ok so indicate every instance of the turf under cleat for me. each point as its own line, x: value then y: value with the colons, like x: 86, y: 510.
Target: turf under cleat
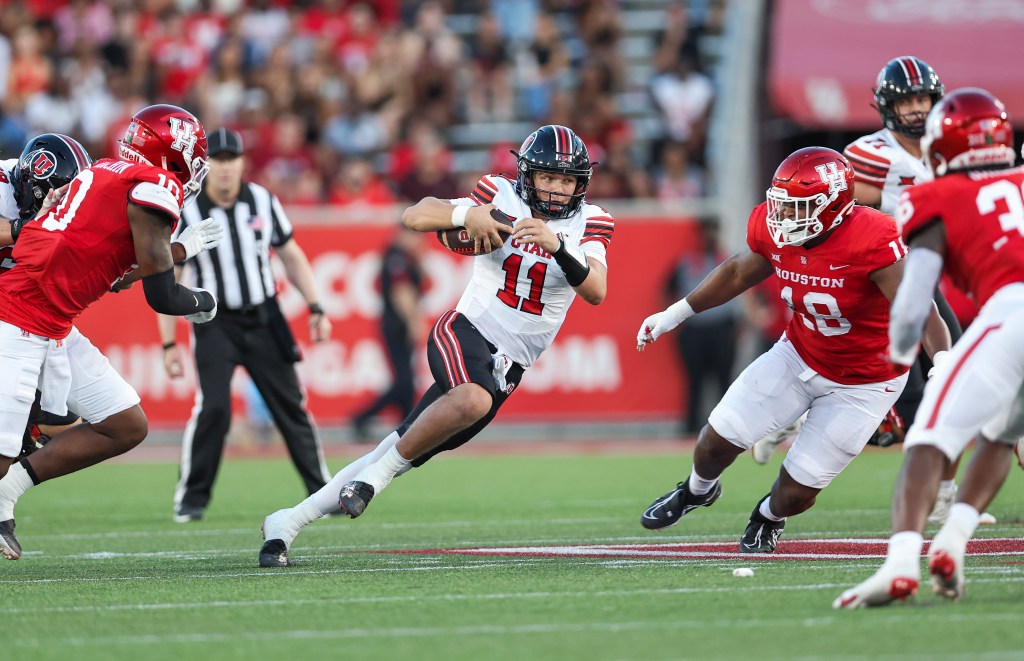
x: 881, y: 589
x: 762, y: 534
x: 354, y: 498
x: 667, y: 510
x: 9, y: 545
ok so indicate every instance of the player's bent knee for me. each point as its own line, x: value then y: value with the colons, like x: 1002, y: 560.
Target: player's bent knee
x: 470, y: 401
x: 127, y: 428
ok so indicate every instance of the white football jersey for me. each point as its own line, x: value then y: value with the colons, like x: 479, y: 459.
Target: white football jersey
x: 8, y: 205
x: 878, y: 159
x: 518, y: 296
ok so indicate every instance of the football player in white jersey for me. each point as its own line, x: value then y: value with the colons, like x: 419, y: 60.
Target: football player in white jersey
x: 887, y: 162
x: 890, y: 159
x: 521, y: 288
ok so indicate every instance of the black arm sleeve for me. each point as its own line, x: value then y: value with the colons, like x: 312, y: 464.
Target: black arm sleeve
x: 575, y: 271
x: 166, y: 296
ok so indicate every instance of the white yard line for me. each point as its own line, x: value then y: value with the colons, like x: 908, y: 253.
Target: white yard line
x: 488, y: 630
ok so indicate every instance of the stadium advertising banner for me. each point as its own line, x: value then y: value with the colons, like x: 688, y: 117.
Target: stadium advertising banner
x: 591, y: 373
x: 825, y: 54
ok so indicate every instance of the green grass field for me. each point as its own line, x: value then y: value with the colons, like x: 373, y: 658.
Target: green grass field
x: 107, y: 575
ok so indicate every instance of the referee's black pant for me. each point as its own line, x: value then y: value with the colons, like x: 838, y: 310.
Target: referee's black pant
x: 253, y: 341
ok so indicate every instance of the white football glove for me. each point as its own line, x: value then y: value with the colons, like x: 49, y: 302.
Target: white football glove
x: 658, y: 324
x: 202, y: 317
x: 201, y: 236
x: 937, y: 360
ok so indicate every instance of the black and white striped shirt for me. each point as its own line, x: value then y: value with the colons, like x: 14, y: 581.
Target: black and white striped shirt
x: 238, y: 271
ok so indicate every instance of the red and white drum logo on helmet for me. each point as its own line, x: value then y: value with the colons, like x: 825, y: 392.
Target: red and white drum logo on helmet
x: 44, y: 164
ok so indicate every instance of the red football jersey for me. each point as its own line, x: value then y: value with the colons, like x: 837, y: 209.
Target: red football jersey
x: 983, y: 215
x: 840, y: 325
x: 70, y: 257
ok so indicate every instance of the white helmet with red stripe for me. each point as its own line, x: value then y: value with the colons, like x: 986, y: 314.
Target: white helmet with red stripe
x: 49, y: 161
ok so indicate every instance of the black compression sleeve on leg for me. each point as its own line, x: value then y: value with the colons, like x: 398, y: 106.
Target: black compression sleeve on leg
x: 575, y: 266
x: 166, y: 296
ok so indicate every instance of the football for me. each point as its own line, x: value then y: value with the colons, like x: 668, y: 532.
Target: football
x: 458, y: 240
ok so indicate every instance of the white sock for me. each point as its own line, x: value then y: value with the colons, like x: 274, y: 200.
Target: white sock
x: 963, y: 520
x: 15, y: 483
x: 698, y: 485
x: 766, y: 510
x: 307, y: 512
x: 904, y: 553
x: 946, y: 485
x: 380, y: 473
x: 326, y: 500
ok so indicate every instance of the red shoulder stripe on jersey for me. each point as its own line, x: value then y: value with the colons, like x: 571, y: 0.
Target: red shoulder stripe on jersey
x: 865, y: 167
x: 601, y: 219
x: 598, y: 232
x: 874, y: 181
x: 854, y: 151
x: 484, y: 192
x: 603, y: 239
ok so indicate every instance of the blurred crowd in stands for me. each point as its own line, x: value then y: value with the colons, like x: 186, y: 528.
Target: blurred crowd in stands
x: 354, y: 102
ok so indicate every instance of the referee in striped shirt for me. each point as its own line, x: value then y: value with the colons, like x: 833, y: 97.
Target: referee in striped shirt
x: 249, y: 329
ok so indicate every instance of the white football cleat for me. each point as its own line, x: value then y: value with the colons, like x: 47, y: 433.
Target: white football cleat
x: 943, y: 501
x: 884, y: 587
x: 946, y: 564
x: 763, y: 449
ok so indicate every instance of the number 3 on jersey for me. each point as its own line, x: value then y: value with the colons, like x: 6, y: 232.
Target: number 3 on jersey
x: 828, y: 324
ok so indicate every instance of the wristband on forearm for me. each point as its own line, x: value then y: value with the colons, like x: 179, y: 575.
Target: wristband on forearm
x: 16, y: 226
x: 459, y: 213
x: 573, y: 262
x: 166, y: 296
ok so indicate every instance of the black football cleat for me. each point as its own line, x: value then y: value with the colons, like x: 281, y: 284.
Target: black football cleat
x: 9, y: 545
x: 354, y: 498
x: 762, y: 535
x: 667, y: 510
x: 274, y: 553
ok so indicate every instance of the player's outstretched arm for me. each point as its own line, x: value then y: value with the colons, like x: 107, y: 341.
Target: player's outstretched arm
x: 729, y: 279
x: 151, y: 233
x: 431, y: 214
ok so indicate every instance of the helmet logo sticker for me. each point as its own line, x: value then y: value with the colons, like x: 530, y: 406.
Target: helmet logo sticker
x: 184, y: 134
x: 831, y: 175
x: 43, y: 163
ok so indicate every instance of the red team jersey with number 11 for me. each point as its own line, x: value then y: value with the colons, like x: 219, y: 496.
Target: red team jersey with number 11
x: 840, y: 325
x: 983, y: 216
x: 68, y: 259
